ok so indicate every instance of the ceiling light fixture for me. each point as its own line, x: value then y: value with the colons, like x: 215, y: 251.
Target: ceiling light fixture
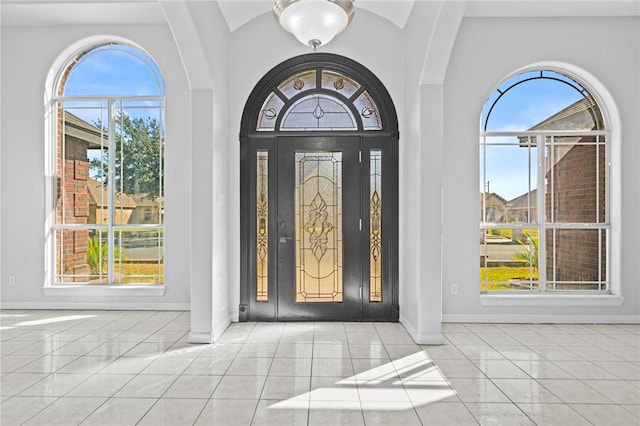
x: 314, y: 22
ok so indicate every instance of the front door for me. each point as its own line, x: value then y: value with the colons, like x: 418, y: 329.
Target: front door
x: 319, y: 269
x: 319, y: 195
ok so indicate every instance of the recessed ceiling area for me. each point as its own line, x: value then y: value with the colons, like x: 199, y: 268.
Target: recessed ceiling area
x: 239, y: 12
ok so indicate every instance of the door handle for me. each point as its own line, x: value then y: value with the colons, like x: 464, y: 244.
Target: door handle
x: 283, y: 236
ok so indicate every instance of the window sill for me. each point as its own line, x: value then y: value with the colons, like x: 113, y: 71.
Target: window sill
x: 103, y: 290
x: 550, y: 300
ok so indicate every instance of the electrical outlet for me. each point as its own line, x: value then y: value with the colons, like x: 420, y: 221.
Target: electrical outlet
x: 454, y: 288
x: 12, y: 280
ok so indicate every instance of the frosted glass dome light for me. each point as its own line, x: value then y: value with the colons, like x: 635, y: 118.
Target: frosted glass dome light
x: 314, y: 22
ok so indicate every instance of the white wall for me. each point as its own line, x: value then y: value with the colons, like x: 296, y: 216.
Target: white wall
x: 209, y: 74
x: 487, y: 51
x: 28, y: 54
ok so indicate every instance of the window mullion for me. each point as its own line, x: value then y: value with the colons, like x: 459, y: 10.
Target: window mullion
x: 111, y: 193
x: 542, y: 236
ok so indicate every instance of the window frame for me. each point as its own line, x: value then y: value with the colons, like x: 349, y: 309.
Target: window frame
x: 602, y: 297
x: 56, y: 119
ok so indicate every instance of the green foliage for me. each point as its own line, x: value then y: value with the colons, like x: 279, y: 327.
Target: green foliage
x: 139, y: 156
x: 97, y: 255
x: 499, y: 278
x: 530, y: 253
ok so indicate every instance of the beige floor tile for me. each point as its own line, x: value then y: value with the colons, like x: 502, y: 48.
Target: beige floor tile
x: 389, y: 413
x: 606, y: 415
x: 445, y: 414
x: 498, y: 414
x: 120, y: 411
x: 196, y: 387
x: 18, y: 409
x: 173, y: 412
x: 553, y: 415
x: 279, y: 413
x: 227, y: 412
x: 66, y: 411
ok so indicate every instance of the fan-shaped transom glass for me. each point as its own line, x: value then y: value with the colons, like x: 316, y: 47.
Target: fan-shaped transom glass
x: 319, y: 100
x: 540, y: 100
x: 113, y: 70
x: 318, y: 112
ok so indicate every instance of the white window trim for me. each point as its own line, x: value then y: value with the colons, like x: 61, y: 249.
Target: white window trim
x: 104, y: 290
x: 611, y: 115
x: 50, y: 287
x: 551, y: 297
x: 548, y: 299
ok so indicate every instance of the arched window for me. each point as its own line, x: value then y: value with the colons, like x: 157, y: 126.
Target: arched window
x: 319, y: 99
x: 109, y: 162
x: 544, y: 177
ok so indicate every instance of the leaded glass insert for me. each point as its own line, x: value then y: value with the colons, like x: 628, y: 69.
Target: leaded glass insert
x: 375, y: 238
x: 318, y: 112
x: 340, y: 83
x: 297, y: 83
x: 368, y: 111
x: 318, y: 213
x: 262, y: 221
x: 269, y: 112
x: 319, y: 99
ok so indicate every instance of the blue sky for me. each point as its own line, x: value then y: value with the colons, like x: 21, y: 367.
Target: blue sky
x: 108, y: 71
x: 113, y: 71
x: 520, y: 108
x: 126, y: 71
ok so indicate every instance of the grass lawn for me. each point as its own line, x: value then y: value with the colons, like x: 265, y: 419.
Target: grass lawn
x: 497, y: 278
x: 148, y: 270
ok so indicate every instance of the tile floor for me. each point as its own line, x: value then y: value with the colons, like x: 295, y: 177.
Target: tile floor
x: 136, y: 368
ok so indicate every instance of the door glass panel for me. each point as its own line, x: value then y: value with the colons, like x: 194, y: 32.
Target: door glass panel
x: 318, y: 112
x: 340, y: 83
x: 269, y: 112
x: 375, y: 238
x: 262, y: 219
x: 318, y: 216
x: 368, y: 112
x: 298, y: 83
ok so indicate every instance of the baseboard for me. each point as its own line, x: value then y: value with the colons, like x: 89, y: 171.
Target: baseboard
x: 200, y: 337
x: 217, y: 332
x: 542, y: 319
x: 103, y: 306
x: 421, y: 339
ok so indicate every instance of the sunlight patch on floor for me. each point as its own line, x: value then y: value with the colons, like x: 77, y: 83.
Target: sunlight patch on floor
x: 407, y: 382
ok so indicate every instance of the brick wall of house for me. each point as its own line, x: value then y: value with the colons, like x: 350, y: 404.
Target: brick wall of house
x: 72, y: 206
x: 574, y: 198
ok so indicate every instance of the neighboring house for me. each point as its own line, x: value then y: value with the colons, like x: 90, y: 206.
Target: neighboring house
x: 79, y: 136
x: 496, y: 207
x: 571, y: 181
x: 147, y: 210
x: 524, y: 208
x: 125, y: 205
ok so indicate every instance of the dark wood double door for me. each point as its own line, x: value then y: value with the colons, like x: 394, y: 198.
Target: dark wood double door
x: 322, y: 223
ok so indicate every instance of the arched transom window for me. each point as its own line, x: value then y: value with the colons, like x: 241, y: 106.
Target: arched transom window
x: 544, y: 187
x: 319, y: 99
x: 109, y: 168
